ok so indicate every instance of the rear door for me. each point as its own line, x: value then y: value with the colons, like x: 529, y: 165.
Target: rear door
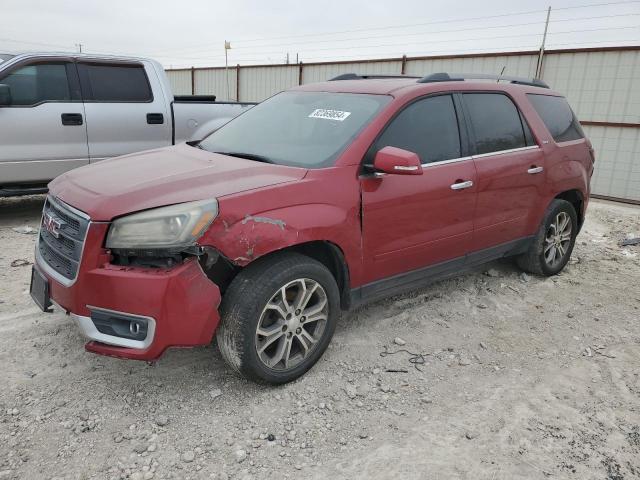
x: 414, y: 221
x: 42, y: 131
x: 123, y: 114
x: 510, y: 167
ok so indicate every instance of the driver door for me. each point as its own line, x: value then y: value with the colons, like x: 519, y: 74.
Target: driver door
x: 415, y: 221
x: 42, y: 130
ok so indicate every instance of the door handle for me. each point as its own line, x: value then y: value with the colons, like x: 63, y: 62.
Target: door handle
x: 534, y: 170
x: 71, y: 119
x: 462, y: 185
x: 155, y: 118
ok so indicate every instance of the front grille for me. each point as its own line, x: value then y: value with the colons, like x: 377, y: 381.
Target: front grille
x: 61, y: 238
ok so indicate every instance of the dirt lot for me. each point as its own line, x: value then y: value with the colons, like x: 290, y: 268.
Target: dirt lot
x: 524, y: 377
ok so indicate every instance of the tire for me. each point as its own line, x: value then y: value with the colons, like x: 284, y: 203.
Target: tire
x: 257, y: 296
x: 548, y: 253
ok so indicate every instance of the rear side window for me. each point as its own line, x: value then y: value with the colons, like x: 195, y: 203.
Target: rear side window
x: 428, y: 127
x: 496, y: 122
x: 115, y: 83
x: 557, y: 116
x: 34, y: 84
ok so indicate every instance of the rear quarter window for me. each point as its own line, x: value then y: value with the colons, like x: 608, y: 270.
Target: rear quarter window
x: 557, y: 116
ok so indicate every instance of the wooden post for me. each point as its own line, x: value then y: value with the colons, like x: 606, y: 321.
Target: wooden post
x: 403, y: 69
x: 300, y: 73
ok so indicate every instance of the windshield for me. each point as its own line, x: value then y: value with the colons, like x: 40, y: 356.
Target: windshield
x: 302, y: 129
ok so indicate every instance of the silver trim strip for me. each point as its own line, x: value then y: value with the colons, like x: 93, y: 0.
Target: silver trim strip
x: 90, y: 331
x: 503, y: 152
x: 444, y: 162
x: 482, y: 155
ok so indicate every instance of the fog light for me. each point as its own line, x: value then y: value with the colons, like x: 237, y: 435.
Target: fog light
x: 120, y: 324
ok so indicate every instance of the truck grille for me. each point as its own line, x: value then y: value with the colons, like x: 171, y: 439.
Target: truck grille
x: 61, y: 238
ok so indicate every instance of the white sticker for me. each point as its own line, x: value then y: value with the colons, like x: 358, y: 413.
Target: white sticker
x: 329, y: 114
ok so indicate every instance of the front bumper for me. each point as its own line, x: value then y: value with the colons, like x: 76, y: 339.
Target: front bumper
x: 179, y: 305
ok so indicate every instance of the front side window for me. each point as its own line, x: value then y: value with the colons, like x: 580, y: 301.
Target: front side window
x: 496, y: 122
x: 34, y: 84
x: 115, y: 83
x: 428, y: 127
x: 302, y: 129
x: 557, y: 117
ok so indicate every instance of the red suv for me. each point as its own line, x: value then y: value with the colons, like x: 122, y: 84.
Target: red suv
x: 316, y: 200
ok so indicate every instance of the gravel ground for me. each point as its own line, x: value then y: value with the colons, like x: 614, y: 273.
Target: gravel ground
x: 518, y: 377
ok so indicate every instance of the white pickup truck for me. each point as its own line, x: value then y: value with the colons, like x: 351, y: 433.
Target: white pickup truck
x: 62, y: 111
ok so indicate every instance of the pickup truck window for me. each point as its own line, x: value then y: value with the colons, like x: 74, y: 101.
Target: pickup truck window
x: 301, y: 129
x: 34, y: 84
x: 428, y: 127
x: 114, y: 83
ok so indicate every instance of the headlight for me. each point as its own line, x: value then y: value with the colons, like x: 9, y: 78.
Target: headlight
x: 166, y: 227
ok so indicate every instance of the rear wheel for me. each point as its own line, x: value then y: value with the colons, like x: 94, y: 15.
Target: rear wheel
x: 552, y: 246
x: 278, y: 317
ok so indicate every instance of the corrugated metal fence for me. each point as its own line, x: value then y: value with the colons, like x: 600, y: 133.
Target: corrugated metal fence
x: 602, y: 85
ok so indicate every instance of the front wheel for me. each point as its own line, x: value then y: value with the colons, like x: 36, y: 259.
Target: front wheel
x: 278, y: 317
x: 552, y: 246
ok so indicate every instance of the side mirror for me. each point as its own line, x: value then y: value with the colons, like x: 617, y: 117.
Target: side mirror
x: 5, y: 95
x: 397, y: 161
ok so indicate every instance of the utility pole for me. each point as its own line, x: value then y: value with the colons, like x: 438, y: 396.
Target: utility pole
x: 544, y: 40
x: 297, y: 59
x: 287, y: 58
x: 79, y: 45
x: 227, y: 47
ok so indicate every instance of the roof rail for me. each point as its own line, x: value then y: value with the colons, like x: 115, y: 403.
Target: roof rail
x: 355, y: 76
x: 460, y: 77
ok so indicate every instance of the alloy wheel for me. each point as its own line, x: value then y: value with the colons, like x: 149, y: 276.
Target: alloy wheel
x: 291, y: 324
x: 557, y: 239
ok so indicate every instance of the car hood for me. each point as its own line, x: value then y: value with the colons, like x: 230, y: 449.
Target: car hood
x: 166, y: 176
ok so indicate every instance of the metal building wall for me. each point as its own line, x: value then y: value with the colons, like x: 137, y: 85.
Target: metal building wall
x: 258, y: 83
x: 602, y: 85
x: 515, y: 65
x: 617, y: 172
x: 319, y: 72
x: 603, y: 88
x: 215, y: 81
x: 180, y: 81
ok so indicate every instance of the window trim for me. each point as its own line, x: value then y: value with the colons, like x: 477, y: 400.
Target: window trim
x: 472, y: 133
x: 86, y: 86
x: 73, y: 80
x: 462, y: 132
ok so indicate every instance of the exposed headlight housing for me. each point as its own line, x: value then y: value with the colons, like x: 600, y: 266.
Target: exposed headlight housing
x: 166, y: 228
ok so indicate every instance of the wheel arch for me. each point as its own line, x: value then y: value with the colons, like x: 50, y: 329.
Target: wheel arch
x: 575, y: 198
x: 223, y: 271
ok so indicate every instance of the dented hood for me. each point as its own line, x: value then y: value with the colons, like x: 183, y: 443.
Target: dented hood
x: 165, y: 176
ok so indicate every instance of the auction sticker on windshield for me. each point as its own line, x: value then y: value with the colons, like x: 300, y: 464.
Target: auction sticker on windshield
x: 337, y: 115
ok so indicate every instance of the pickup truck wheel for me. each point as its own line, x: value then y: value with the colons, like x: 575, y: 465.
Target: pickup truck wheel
x: 552, y: 246
x: 278, y: 317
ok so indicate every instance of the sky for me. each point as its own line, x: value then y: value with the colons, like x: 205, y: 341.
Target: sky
x: 192, y: 33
